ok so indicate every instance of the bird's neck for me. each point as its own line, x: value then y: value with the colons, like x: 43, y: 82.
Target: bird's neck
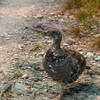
x: 57, y: 43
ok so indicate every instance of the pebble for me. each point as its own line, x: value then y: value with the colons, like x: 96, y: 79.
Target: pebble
x: 25, y: 75
x: 98, y: 58
x: 62, y: 20
x: 6, y: 88
x: 94, y: 64
x: 79, y: 49
x: 81, y: 52
x: 70, y: 41
x: 36, y: 79
x: 49, y: 41
x: 72, y: 17
x: 41, y: 53
x: 21, y: 47
x: 44, y: 98
x: 38, y: 16
x: 89, y: 54
x: 97, y: 35
x: 20, y: 89
x: 98, y: 65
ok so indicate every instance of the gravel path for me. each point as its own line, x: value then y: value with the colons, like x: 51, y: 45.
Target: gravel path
x: 14, y: 17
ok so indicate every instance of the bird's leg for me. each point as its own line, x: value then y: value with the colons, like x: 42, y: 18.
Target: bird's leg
x: 71, y: 85
x: 63, y: 89
x: 61, y: 86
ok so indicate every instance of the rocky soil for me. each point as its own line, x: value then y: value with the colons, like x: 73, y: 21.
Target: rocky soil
x: 22, y: 49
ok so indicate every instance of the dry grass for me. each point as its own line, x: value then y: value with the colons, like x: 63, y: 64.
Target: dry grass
x: 73, y: 4
x: 78, y: 31
x: 85, y: 11
x: 96, y: 42
x: 88, y: 13
x: 96, y: 39
x: 75, y: 30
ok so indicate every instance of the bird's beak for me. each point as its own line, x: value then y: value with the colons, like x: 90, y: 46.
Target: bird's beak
x: 42, y: 32
x: 46, y: 33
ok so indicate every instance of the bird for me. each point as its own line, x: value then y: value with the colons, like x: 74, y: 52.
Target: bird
x: 62, y: 65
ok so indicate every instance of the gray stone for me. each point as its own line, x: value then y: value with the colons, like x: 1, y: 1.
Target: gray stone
x: 41, y: 53
x: 79, y: 49
x: 20, y: 89
x: 6, y: 88
x: 89, y: 54
x: 98, y: 58
x: 44, y: 98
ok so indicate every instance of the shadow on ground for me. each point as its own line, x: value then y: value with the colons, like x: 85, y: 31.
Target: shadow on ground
x: 84, y: 91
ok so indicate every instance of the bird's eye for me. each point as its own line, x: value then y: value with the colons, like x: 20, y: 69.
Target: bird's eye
x: 54, y: 32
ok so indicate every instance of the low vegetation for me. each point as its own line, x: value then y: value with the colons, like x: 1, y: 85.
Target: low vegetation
x: 96, y: 39
x: 86, y: 11
x: 96, y: 42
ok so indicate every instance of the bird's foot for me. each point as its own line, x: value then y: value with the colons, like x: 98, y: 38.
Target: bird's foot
x: 74, y: 84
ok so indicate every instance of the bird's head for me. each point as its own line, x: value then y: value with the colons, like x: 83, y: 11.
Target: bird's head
x: 53, y: 33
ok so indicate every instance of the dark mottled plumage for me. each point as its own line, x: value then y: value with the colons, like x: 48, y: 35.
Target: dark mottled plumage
x: 61, y: 64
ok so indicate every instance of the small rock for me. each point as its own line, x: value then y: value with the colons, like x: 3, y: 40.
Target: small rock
x: 6, y: 88
x: 98, y: 58
x: 65, y: 44
x: 97, y: 35
x: 44, y: 98
x: 34, y: 64
x: 81, y: 52
x: 89, y: 54
x: 36, y: 80
x: 70, y: 41
x: 20, y: 89
x: 21, y: 47
x: 38, y: 16
x: 25, y: 75
x: 52, y: 13
x: 72, y: 17
x: 29, y: 67
x: 41, y: 53
x: 98, y: 65
x: 37, y: 68
x: 49, y: 42
x: 62, y: 20
x: 79, y: 49
x: 94, y: 64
